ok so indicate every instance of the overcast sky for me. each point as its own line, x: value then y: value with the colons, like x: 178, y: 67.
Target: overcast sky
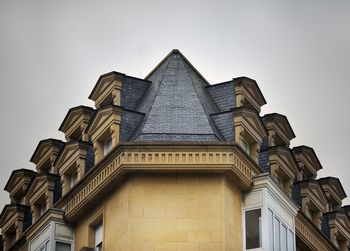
x: 52, y: 53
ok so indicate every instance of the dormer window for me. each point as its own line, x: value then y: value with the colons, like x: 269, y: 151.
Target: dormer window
x: 107, y: 90
x: 249, y: 131
x: 245, y: 145
x: 307, y: 161
x: 248, y: 94
x: 107, y: 146
x: 283, y: 167
x: 45, y: 155
x: 40, y: 208
x: 73, y: 162
x: 104, y: 130
x: 75, y: 123
x: 42, y: 194
x: 73, y: 179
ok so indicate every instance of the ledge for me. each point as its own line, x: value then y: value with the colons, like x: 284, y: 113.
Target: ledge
x: 129, y: 158
x: 310, y: 235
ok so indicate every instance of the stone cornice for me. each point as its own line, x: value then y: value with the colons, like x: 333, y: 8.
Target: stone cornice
x: 310, y: 235
x: 161, y: 158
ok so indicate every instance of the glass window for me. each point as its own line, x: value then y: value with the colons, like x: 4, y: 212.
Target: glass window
x: 245, y: 145
x: 107, y: 146
x: 270, y: 222
x: 290, y: 241
x: 44, y: 247
x: 253, y: 228
x: 276, y: 227
x: 98, y: 237
x: 73, y: 178
x: 61, y: 246
x: 41, y: 209
x: 283, y: 238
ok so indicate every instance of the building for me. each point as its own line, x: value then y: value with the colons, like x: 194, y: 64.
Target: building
x: 171, y: 162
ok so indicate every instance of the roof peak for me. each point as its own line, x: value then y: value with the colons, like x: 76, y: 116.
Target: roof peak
x: 172, y: 53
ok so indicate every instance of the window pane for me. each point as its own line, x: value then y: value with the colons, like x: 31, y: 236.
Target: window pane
x: 60, y: 246
x: 270, y: 222
x: 98, y: 235
x: 253, y: 228
x: 283, y: 238
x: 276, y: 228
x: 290, y: 241
x: 107, y: 146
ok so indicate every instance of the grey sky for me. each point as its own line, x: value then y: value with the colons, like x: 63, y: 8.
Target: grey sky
x: 52, y: 53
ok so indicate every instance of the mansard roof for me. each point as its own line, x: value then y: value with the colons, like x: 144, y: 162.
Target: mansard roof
x: 177, y: 105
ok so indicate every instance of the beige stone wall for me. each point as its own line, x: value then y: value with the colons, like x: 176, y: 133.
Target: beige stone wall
x: 169, y: 212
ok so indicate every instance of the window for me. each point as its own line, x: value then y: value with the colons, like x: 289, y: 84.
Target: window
x: 283, y: 238
x: 41, y: 209
x: 290, y: 241
x: 73, y: 178
x: 245, y: 145
x: 44, y: 247
x: 253, y: 228
x: 276, y: 228
x: 61, y: 246
x: 107, y: 146
x: 98, y: 237
x: 270, y: 222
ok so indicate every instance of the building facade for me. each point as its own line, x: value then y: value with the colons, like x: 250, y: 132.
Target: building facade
x: 171, y: 162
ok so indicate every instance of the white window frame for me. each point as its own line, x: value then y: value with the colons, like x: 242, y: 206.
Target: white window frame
x: 107, y: 146
x: 73, y: 178
x: 99, y: 237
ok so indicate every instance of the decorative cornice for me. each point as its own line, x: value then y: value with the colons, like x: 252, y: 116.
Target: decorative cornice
x: 162, y: 158
x: 310, y: 235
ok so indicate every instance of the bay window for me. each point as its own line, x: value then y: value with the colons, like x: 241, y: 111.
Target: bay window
x: 253, y: 228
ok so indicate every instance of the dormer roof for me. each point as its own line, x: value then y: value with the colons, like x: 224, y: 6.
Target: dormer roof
x: 253, y: 119
x: 76, y: 121
x: 284, y: 157
x: 107, y: 114
x: 10, y: 213
x: 105, y: 85
x: 19, y: 182
x: 307, y: 159
x: 252, y: 87
x: 280, y: 124
x: 45, y: 153
x: 313, y: 190
x: 42, y: 183
x: 333, y: 188
x: 71, y: 151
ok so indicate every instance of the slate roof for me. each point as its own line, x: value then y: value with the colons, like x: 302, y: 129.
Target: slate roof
x: 177, y: 106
